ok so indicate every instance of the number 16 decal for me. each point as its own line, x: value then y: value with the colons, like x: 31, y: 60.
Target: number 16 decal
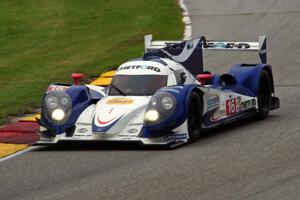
x: 233, y: 105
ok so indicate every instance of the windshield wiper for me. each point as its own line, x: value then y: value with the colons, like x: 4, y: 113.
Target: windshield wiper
x: 120, y: 91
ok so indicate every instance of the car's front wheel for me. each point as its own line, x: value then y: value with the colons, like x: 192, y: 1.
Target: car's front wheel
x: 194, y: 116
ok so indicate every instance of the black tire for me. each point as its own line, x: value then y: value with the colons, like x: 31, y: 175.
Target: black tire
x: 264, y: 95
x: 194, y: 116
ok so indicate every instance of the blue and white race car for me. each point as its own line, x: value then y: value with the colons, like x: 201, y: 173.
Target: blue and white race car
x: 163, y: 98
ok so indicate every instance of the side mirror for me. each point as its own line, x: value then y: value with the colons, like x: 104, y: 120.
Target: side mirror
x: 77, y: 77
x: 204, y: 77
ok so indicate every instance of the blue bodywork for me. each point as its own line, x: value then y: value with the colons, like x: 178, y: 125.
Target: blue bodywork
x: 247, y: 78
x: 248, y: 75
x: 81, y: 98
x: 246, y: 83
x: 182, y: 95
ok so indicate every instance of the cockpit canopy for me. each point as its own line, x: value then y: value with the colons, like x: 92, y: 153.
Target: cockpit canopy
x: 137, y: 85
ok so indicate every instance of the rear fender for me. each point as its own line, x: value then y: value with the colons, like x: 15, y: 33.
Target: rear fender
x: 247, y: 75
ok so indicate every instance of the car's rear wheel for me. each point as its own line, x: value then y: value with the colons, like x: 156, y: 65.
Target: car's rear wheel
x: 264, y: 95
x: 194, y: 116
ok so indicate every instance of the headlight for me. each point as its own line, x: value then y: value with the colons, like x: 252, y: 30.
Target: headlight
x: 65, y: 101
x: 57, y: 107
x: 160, y: 107
x: 167, y: 102
x: 58, y: 115
x: 52, y: 102
x: 153, y: 101
x: 152, y: 115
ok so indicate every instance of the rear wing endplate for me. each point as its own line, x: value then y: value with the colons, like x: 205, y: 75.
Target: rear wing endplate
x: 260, y: 46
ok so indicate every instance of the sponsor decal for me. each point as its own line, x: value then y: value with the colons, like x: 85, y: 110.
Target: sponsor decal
x: 190, y: 45
x: 135, y: 124
x: 212, y: 101
x: 228, y: 45
x: 81, y: 136
x: 133, y: 130
x: 156, y: 69
x: 177, y: 137
x: 119, y: 101
x: 217, y: 115
x: 126, y: 136
x: 219, y: 45
x: 105, y: 122
x: 57, y: 88
x: 101, y: 125
x: 82, y: 130
x: 248, y: 104
x: 233, y: 105
x: 110, y: 110
x: 82, y: 123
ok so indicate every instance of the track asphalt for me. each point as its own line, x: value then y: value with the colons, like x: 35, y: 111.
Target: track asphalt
x: 246, y: 160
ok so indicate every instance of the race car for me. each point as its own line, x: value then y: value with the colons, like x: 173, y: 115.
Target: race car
x: 164, y: 98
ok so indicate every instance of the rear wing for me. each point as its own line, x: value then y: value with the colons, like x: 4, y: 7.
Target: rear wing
x: 177, y: 50
x: 260, y: 46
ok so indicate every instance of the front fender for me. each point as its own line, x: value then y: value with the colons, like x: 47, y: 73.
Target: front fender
x: 81, y: 99
x: 165, y: 127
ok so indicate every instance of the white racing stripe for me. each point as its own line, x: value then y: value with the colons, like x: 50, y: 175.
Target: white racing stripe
x: 186, y: 20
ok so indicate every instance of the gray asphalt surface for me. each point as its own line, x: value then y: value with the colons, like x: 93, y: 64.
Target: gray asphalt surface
x: 245, y: 160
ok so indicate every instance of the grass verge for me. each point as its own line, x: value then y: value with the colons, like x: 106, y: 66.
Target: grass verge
x: 44, y: 41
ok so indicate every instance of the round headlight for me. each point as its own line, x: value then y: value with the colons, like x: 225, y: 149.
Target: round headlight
x: 58, y: 115
x: 152, y: 115
x: 167, y: 102
x: 153, y: 101
x: 64, y: 101
x: 52, y: 102
x: 57, y: 107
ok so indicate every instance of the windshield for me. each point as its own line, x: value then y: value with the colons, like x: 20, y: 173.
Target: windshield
x: 137, y: 85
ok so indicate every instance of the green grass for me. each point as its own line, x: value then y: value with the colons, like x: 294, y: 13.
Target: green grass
x: 44, y: 41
